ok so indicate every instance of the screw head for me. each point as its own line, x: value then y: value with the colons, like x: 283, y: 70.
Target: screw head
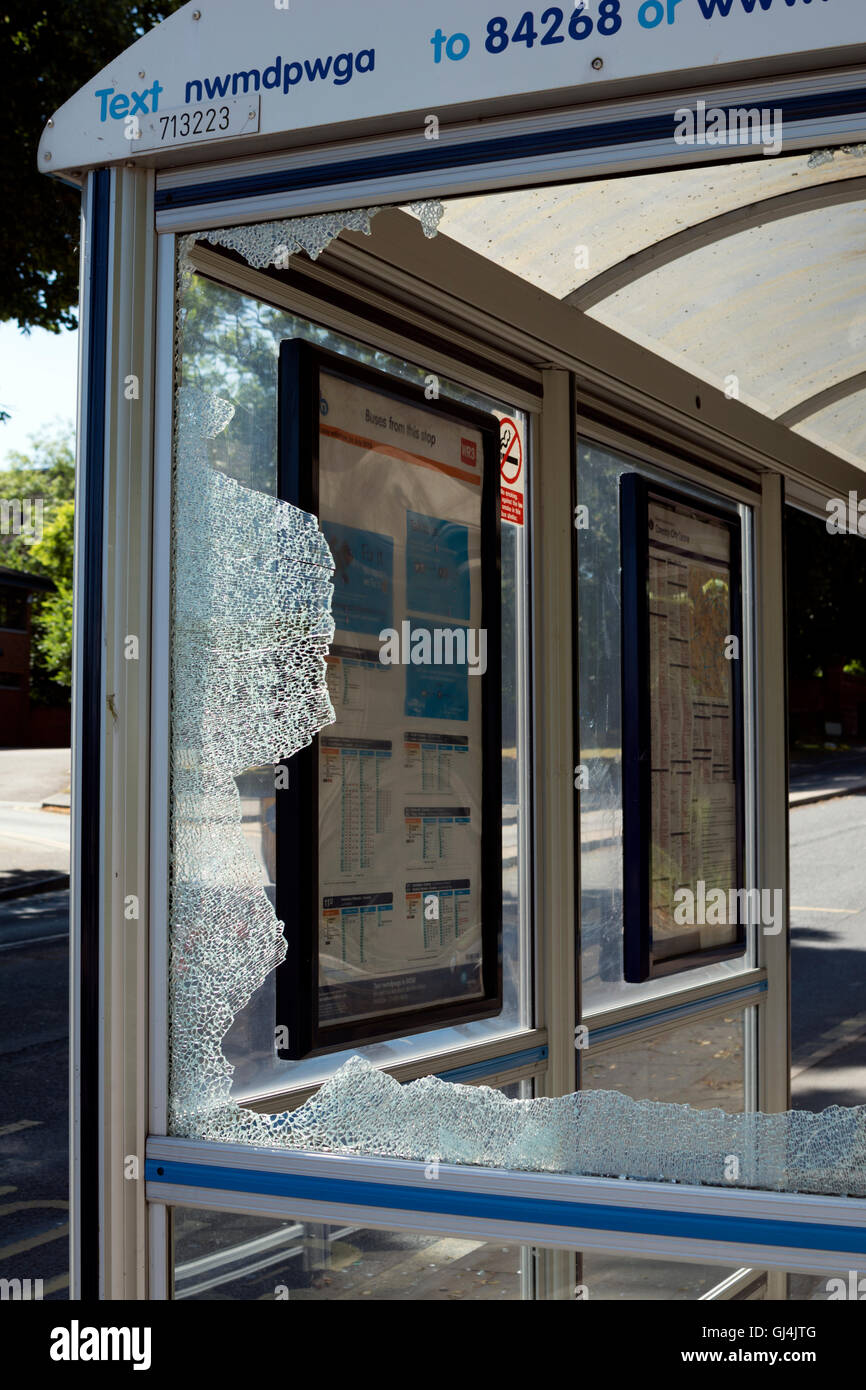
x: 47, y: 156
x: 142, y: 74
x: 598, y: 64
x: 196, y: 14
x: 50, y: 122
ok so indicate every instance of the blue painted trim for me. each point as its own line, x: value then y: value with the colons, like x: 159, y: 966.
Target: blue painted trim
x: 599, y: 135
x: 494, y: 1065
x: 538, y: 1211
x: 88, y: 684
x: 697, y: 1006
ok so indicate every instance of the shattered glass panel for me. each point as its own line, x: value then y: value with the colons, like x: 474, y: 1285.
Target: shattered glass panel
x: 251, y: 613
x: 363, y: 1111
x: 251, y: 592
x: 230, y: 350
x: 264, y: 244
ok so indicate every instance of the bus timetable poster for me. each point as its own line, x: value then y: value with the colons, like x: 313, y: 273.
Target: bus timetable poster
x: 682, y: 731
x: 402, y: 888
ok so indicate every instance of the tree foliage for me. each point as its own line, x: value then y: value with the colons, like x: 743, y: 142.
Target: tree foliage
x: 48, y: 51
x: 45, y: 475
x: 53, y: 622
x: 826, y: 582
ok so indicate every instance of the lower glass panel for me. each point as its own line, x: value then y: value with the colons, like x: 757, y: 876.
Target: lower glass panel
x: 228, y: 1256
x: 701, y: 1064
x: 220, y: 1255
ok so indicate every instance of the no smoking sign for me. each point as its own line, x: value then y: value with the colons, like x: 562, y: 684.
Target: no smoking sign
x: 511, y: 457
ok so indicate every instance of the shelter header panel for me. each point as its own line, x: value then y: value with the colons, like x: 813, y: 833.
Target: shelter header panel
x: 223, y: 72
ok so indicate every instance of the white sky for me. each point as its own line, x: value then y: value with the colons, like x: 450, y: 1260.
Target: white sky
x: 38, y: 373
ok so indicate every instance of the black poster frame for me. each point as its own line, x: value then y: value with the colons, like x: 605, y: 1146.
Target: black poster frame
x: 636, y: 491
x: 301, y: 364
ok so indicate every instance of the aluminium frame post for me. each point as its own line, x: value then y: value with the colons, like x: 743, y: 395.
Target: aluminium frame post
x: 109, y: 927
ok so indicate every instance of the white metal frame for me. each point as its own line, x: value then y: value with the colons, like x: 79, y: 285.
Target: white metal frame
x: 588, y: 1210
x: 534, y: 169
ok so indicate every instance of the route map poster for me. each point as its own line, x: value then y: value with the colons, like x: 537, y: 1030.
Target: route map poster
x: 683, y: 699
x: 399, y: 899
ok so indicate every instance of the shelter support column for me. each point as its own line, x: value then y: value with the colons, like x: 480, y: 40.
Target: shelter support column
x: 554, y: 759
x: 774, y: 1088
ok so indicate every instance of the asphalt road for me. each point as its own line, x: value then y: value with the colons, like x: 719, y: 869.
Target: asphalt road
x: 34, y: 989
x: 826, y: 773
x: 34, y: 1024
x: 828, y: 953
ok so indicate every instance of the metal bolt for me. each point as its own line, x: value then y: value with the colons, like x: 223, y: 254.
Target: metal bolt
x: 142, y: 74
x: 47, y: 156
x: 598, y: 64
x: 50, y: 122
x: 196, y: 14
x: 252, y: 115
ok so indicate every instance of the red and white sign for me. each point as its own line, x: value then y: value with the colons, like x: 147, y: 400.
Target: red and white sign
x: 469, y: 453
x: 512, y: 454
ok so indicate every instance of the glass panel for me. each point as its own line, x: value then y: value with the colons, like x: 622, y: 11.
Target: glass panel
x: 699, y: 1064
x: 223, y: 1256
x: 228, y: 1256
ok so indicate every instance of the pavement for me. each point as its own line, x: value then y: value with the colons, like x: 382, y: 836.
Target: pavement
x: 34, y: 1101
x: 34, y: 1019
x: 820, y: 776
x: 828, y: 953
x: 30, y: 775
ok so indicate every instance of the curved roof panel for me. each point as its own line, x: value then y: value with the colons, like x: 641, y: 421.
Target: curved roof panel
x: 754, y: 270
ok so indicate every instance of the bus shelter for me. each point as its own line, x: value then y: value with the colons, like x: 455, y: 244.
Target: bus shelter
x: 442, y: 390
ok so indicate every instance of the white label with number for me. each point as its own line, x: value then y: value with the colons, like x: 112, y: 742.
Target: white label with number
x: 210, y: 120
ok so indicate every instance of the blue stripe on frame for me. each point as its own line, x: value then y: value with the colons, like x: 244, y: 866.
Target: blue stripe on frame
x: 493, y: 1065
x: 539, y: 1211
x: 88, y: 680
x: 598, y: 135
x: 695, y: 1006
